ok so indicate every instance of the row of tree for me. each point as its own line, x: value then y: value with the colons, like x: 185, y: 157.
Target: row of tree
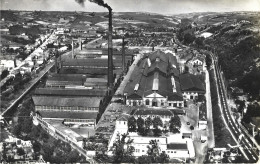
x: 152, y: 127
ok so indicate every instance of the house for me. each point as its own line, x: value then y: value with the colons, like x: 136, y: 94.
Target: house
x: 155, y: 82
x: 191, y: 86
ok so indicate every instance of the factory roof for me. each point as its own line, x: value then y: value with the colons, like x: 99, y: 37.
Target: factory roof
x: 177, y: 146
x: 66, y: 101
x: 144, y: 76
x: 68, y: 114
x: 190, y: 82
x: 70, y: 92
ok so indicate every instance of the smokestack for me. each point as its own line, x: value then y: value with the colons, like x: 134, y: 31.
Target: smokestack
x: 83, y: 79
x: 110, y: 52
x: 80, y: 44
x: 15, y: 65
x: 110, y: 46
x: 123, y: 53
x: 56, y: 64
x: 72, y: 48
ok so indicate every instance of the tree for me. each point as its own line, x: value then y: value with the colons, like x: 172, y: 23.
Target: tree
x: 153, y: 150
x: 188, y: 38
x: 36, y: 146
x: 122, y: 149
x: 148, y: 122
x: 140, y: 125
x: 157, y: 122
x: 175, y: 124
x: 144, y: 159
x: 20, y: 151
x: 132, y: 124
x: 162, y: 158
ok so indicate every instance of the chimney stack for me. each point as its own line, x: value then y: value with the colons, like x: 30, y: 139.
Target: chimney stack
x: 110, y: 52
x: 80, y: 44
x: 123, y: 53
x: 15, y: 65
x: 56, y: 64
x: 72, y: 48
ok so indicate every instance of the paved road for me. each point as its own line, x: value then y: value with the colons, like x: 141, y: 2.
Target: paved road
x: 246, y: 144
x: 211, y: 138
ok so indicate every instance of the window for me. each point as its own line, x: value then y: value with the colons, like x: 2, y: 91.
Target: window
x: 180, y: 104
x: 171, y: 151
x: 147, y: 102
x: 170, y: 104
x: 175, y: 104
x: 142, y: 150
x: 191, y: 97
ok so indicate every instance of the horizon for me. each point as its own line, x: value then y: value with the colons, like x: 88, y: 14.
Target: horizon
x: 22, y: 10
x: 151, y: 6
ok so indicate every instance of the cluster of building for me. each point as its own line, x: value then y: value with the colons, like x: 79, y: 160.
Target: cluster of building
x: 158, y: 88
x: 76, y: 94
x: 157, y: 82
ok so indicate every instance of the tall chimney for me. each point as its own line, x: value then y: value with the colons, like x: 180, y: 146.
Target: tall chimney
x: 80, y: 44
x: 110, y: 52
x: 56, y: 62
x: 72, y: 48
x: 123, y: 53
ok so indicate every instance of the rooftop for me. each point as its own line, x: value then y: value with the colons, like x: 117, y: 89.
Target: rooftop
x: 190, y: 82
x: 66, y: 102
x: 70, y: 92
x: 163, y: 112
x: 177, y: 146
x: 68, y: 114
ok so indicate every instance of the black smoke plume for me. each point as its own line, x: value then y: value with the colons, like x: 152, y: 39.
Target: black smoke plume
x: 99, y: 2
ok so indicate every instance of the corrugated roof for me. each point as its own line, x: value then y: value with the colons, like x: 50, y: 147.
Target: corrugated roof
x: 66, y: 101
x: 70, y: 92
x: 144, y: 76
x: 68, y: 115
x: 177, y: 146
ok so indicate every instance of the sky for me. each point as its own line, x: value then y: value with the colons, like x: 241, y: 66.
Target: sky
x: 153, y: 6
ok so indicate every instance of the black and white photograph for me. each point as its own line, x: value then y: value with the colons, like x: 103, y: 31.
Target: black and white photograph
x: 129, y: 81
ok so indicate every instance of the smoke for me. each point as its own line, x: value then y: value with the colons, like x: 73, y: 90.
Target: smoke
x: 99, y: 2
x: 81, y: 2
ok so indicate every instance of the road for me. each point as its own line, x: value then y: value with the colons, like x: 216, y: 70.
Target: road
x: 3, y: 81
x: 210, y: 130
x: 246, y: 145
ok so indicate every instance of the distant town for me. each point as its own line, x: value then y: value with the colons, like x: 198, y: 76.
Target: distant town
x: 133, y: 87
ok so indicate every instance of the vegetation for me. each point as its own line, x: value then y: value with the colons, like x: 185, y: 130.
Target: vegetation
x: 175, y: 124
x: 120, y: 153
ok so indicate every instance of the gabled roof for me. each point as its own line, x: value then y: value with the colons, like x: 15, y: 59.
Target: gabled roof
x: 160, y: 112
x: 149, y: 83
x: 177, y: 146
x: 66, y: 102
x: 67, y: 114
x: 190, y: 82
x: 70, y: 92
x: 135, y: 96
